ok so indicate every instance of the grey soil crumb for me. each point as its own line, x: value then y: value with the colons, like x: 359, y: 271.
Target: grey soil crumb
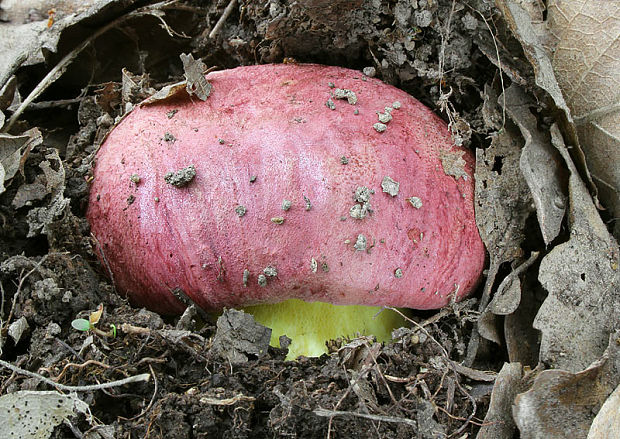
x: 182, y: 177
x: 398, y: 273
x: 308, y: 203
x: 359, y: 211
x: 313, y: 265
x: 415, y: 202
x: 360, y: 244
x: 246, y: 276
x: 396, y: 105
x: 330, y: 104
x: 270, y: 271
x: 384, y: 117
x: 286, y: 205
x: 240, y: 210
x: 389, y: 186
x: 168, y: 137
x: 262, y: 280
x: 369, y: 71
x: 380, y: 127
x: 362, y: 194
x: 344, y: 160
x: 343, y: 93
x: 171, y: 113
x: 130, y: 199
x: 325, y: 267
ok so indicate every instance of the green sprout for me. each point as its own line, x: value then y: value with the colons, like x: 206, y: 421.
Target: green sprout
x: 89, y: 325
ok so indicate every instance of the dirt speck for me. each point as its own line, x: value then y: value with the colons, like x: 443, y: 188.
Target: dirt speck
x: 390, y: 186
x: 360, y: 243
x: 182, y: 177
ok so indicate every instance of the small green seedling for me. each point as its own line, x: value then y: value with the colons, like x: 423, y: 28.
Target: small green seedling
x: 93, y: 319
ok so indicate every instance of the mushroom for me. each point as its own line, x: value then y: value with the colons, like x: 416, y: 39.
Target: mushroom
x: 350, y: 234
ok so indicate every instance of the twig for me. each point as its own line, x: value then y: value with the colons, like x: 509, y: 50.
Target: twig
x: 80, y: 366
x: 381, y: 418
x: 133, y: 379
x: 148, y: 407
x: 105, y: 260
x: 227, y: 401
x: 220, y: 23
x: 451, y: 364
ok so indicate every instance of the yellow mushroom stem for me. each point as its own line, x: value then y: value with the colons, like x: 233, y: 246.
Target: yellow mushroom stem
x: 310, y: 325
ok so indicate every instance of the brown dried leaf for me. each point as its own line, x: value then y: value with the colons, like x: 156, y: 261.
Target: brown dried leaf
x: 583, y: 281
x: 585, y: 42
x: 238, y: 335
x: 195, y: 71
x: 540, y: 164
x: 498, y: 422
x: 13, y: 150
x: 521, y: 20
x: 562, y: 404
x: 39, y: 218
x: 503, y: 203
x: 607, y: 422
x: 30, y: 414
x: 26, y: 34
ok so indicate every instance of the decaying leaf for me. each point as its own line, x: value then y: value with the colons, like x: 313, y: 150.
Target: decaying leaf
x: 503, y: 203
x: 238, y: 336
x: 498, y: 422
x: 135, y: 88
x: 540, y: 164
x: 521, y: 20
x: 585, y: 43
x: 34, y: 415
x: 606, y: 424
x: 25, y: 37
x: 562, y: 404
x: 583, y: 281
x: 40, y: 217
x: 195, y: 71
x: 13, y: 152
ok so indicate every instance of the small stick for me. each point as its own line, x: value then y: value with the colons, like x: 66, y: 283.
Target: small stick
x: 220, y: 23
x: 133, y: 379
x: 332, y: 413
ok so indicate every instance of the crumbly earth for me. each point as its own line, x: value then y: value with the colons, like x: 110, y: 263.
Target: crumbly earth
x: 50, y: 275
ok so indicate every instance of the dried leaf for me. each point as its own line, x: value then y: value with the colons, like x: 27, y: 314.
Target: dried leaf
x: 27, y: 193
x: 562, y: 404
x: 503, y: 203
x: 583, y: 281
x: 24, y: 39
x: 238, y: 336
x: 195, y: 71
x: 39, y: 218
x: 498, y: 423
x: 540, y: 163
x: 34, y: 415
x: 13, y: 150
x: 585, y: 42
x: 503, y: 199
x: 134, y: 89
x: 607, y: 423
x: 166, y: 92
x: 521, y: 20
